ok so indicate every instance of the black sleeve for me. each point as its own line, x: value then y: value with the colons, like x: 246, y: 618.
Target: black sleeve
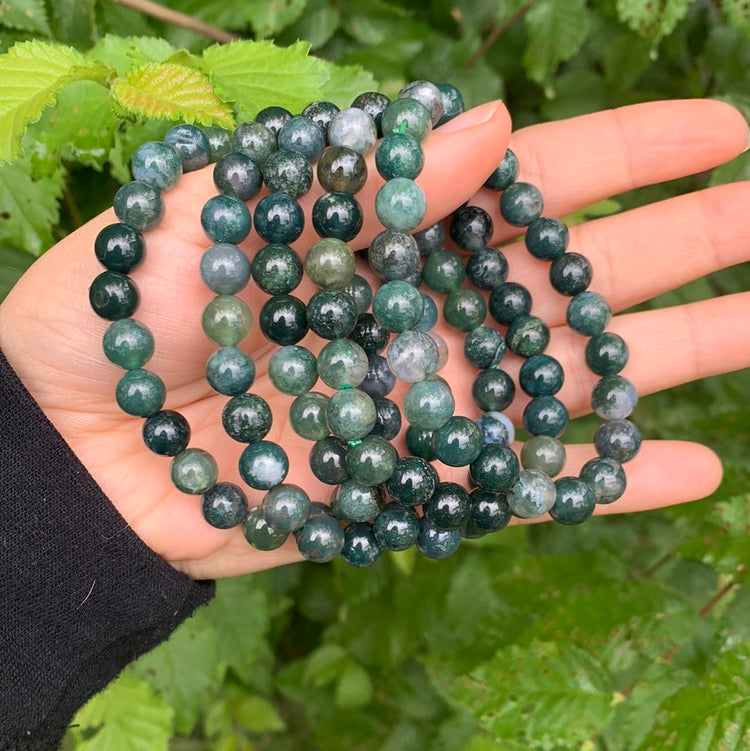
x: 81, y: 595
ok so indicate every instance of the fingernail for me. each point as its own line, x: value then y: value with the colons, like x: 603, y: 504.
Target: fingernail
x: 747, y: 144
x: 475, y: 116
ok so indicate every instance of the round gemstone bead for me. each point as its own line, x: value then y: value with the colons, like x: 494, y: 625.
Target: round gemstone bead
x: 570, y: 274
x: 341, y: 170
x: 277, y: 269
x: 541, y: 375
x: 258, y: 532
x: 330, y: 263
x: 487, y: 268
x: 302, y: 135
x: 437, y: 543
x: 287, y: 172
x: 464, y: 309
x: 331, y: 313
x: 396, y: 527
x: 470, y: 228
x: 520, y: 204
x: 407, y: 116
x: 425, y: 93
x: 606, y: 353
x: 226, y: 219
x: 617, y: 439
x: 443, y: 271
x: 606, y: 478
x: 337, y: 215
x: 191, y: 144
x: 263, y: 465
x: 413, y: 481
x: 429, y: 313
x: 307, y: 416
x: 279, y: 218
x: 458, y: 442
x: 274, y: 118
x: 237, y: 175
x: 493, y: 390
x: 342, y: 363
x: 614, y: 398
x: 360, y: 291
x: 128, y: 343
x: 157, y: 163
x: 453, y: 102
x: 286, y: 507
x: 379, y: 380
x: 488, y: 511
x: 419, y: 442
x: 283, y: 319
x: 354, y: 129
x: 194, y: 471
x: 484, y: 347
x: 533, y: 494
x: 246, y: 418
x: 374, y: 104
x: 397, y: 306
x: 140, y: 392
x: 588, y: 313
x: 361, y: 547
x: 292, y: 369
x: 448, y: 508
x: 166, y: 433
x: 509, y: 301
x: 224, y: 506
x: 412, y: 356
x: 230, y: 371
x: 496, y: 427
x: 394, y: 255
x: 575, y: 501
x: 227, y: 320
x: 543, y: 453
x: 388, y: 420
x: 321, y: 113
x: 372, y: 460
x: 219, y: 142
x: 505, y: 173
x: 399, y: 155
x: 369, y: 334
x: 320, y: 540
x: 119, y: 247
x: 328, y: 461
x: 496, y: 468
x: 225, y: 269
x: 139, y: 205
x: 255, y: 141
x: 352, y: 501
x: 527, y: 335
x: 350, y: 414
x: 431, y: 238
x: 545, y: 415
x: 428, y: 405
x: 401, y: 204
x: 547, y: 238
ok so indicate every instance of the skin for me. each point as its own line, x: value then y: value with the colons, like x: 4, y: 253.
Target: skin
x: 53, y: 339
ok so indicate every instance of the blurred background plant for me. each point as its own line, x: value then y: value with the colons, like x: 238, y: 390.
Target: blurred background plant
x: 626, y: 634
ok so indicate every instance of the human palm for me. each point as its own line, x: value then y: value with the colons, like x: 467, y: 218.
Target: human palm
x: 53, y: 339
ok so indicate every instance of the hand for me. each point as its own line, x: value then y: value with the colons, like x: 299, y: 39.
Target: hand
x: 53, y: 339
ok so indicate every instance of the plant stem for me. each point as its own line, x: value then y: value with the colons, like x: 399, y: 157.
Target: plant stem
x: 496, y: 33
x: 176, y: 18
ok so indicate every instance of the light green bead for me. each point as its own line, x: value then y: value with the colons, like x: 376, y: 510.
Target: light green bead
x: 342, y: 363
x: 400, y: 204
x: 194, y: 471
x: 330, y: 263
x: 351, y: 414
x: 227, y: 320
x: 292, y: 369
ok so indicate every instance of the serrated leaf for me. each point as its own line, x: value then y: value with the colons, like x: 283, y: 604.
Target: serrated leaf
x: 652, y: 20
x: 25, y: 15
x: 738, y: 15
x: 120, y: 52
x: 13, y: 262
x: 168, y: 91
x: 354, y: 688
x: 255, y: 75
x: 32, y: 73
x: 345, y: 82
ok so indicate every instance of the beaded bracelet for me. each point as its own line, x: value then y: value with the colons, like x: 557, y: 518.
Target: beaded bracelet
x: 352, y: 428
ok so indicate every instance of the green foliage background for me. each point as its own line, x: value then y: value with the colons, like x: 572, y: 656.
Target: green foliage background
x: 626, y: 634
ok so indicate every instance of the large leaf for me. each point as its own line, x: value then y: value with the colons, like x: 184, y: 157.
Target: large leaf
x: 652, y: 20
x: 25, y: 15
x: 13, y: 262
x: 120, y: 52
x: 75, y: 21
x: 345, y: 82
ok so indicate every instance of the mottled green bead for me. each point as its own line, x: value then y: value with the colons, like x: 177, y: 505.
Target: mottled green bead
x: 307, y: 416
x: 570, y: 274
x: 614, y: 398
x: 230, y: 371
x: 277, y: 269
x: 413, y: 481
x: 428, y: 405
x: 399, y: 155
x: 279, y: 218
x: 139, y: 205
x: 246, y: 418
x: 287, y: 172
x: 350, y: 414
x: 331, y: 313
x: 397, y: 306
x: 464, y: 309
x: 437, y: 543
x: 166, y: 433
x: 520, y: 204
x: 219, y: 142
x: 369, y: 334
x: 374, y: 104
x: 286, y: 507
x: 527, y: 335
x: 321, y: 113
x: 545, y: 415
x: 258, y: 532
x: 353, y: 128
x: 486, y: 268
x: 337, y: 214
x: 191, y: 144
x: 448, y: 508
x: 588, y: 313
x: 532, y: 495
x: 496, y: 468
x: 283, y: 319
x: 407, y: 116
x: 119, y: 247
x: 396, y: 527
x: 617, y: 439
x: 320, y: 540
x: 575, y: 501
x: 419, y: 442
x: 453, y: 102
x: 328, y: 460
x: 509, y: 301
x: 413, y: 356
x: 493, y: 390
x: 488, y: 511
x: 361, y: 547
x: 302, y: 135
x: 194, y: 471
x: 546, y: 238
x: 352, y: 501
x: 505, y: 173
x: 543, y: 453
x: 157, y: 163
x: 330, y: 263
x: 113, y: 295
x: 496, y: 427
x: 394, y: 255
x: 227, y: 320
x: 541, y: 375
x: 254, y: 140
x: 292, y: 369
x: 372, y: 460
x: 606, y: 353
x: 263, y: 465
x: 379, y: 380
x: 341, y: 170
x: 443, y: 271
x: 224, y: 506
x: 226, y: 219
x: 128, y: 343
x: 360, y: 291
x: 484, y: 347
x: 458, y: 442
x: 342, y: 363
x: 429, y: 313
x: 388, y: 422
x: 274, y: 118
x: 470, y: 228
x: 140, y: 392
x: 400, y: 204
x: 431, y: 238
x: 425, y: 93
x: 225, y: 269
x: 606, y: 478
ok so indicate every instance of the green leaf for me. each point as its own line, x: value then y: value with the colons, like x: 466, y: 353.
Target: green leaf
x: 556, y: 30
x: 258, y: 715
x: 316, y: 25
x: 120, y: 52
x: 13, y: 262
x: 127, y: 716
x: 652, y: 20
x: 38, y: 71
x: 738, y: 15
x: 75, y: 21
x: 354, y: 688
x: 269, y: 18
x: 169, y: 91
x: 255, y: 75
x: 325, y: 664
x: 25, y: 15
x: 345, y: 82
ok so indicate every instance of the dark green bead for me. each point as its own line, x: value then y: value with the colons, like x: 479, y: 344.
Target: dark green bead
x: 588, y: 313
x: 394, y: 255
x: 470, y: 228
x: 388, y: 419
x: 484, y: 347
x: 139, y: 205
x: 429, y: 313
x: 431, y: 238
x: 227, y: 320
x: 488, y: 511
x: 194, y: 471
x: 437, y: 543
x: 302, y: 135
x: 361, y: 547
x: 372, y: 460
x: 191, y: 144
x: 350, y: 414
x: 128, y: 343
x: 520, y: 204
x: 575, y: 501
x: 263, y: 465
x: 541, y: 375
x: 225, y: 269
x: 533, y: 494
x: 283, y: 319
x: 140, y: 393
x: 493, y: 390
x: 453, y: 102
x: 226, y: 219
x: 505, y: 173
x: 496, y: 468
x: 606, y: 353
x: 614, y: 398
x: 425, y: 93
x: 113, y: 295
x: 230, y: 371
x: 337, y: 214
x: 399, y: 155
x: 259, y: 534
x: 246, y: 418
x: 361, y: 292
x: 547, y: 238
x: 458, y: 442
x: 448, y: 508
x: 617, y: 439
x: 443, y: 271
x: 330, y: 263
x: 287, y: 172
x: 286, y: 507
x: 321, y: 113
x: 464, y: 309
x: 292, y: 369
x: 119, y: 247
x: 419, y: 443
x: 219, y: 142
x: 274, y: 118
x: 544, y: 453
x: 509, y: 301
x: 428, y: 405
x: 570, y: 274
x: 320, y: 540
x: 396, y: 527
x: 318, y: 508
x: 379, y: 380
x: 401, y: 204
x: 407, y: 116
x: 369, y: 334
x: 413, y: 356
x: 496, y: 427
x: 374, y: 104
x: 342, y: 363
x: 545, y: 415
x: 166, y: 433
x: 328, y: 460
x: 606, y: 478
x: 254, y: 140
x: 224, y: 506
x: 237, y: 175
x: 331, y: 314
x: 277, y: 269
x: 279, y: 218
x: 487, y: 268
x: 307, y: 416
x: 354, y: 502
x: 341, y: 170
x: 527, y: 336
x: 397, y: 306
x: 413, y: 481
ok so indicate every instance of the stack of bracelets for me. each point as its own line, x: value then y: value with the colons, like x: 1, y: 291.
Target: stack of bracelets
x: 379, y: 500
